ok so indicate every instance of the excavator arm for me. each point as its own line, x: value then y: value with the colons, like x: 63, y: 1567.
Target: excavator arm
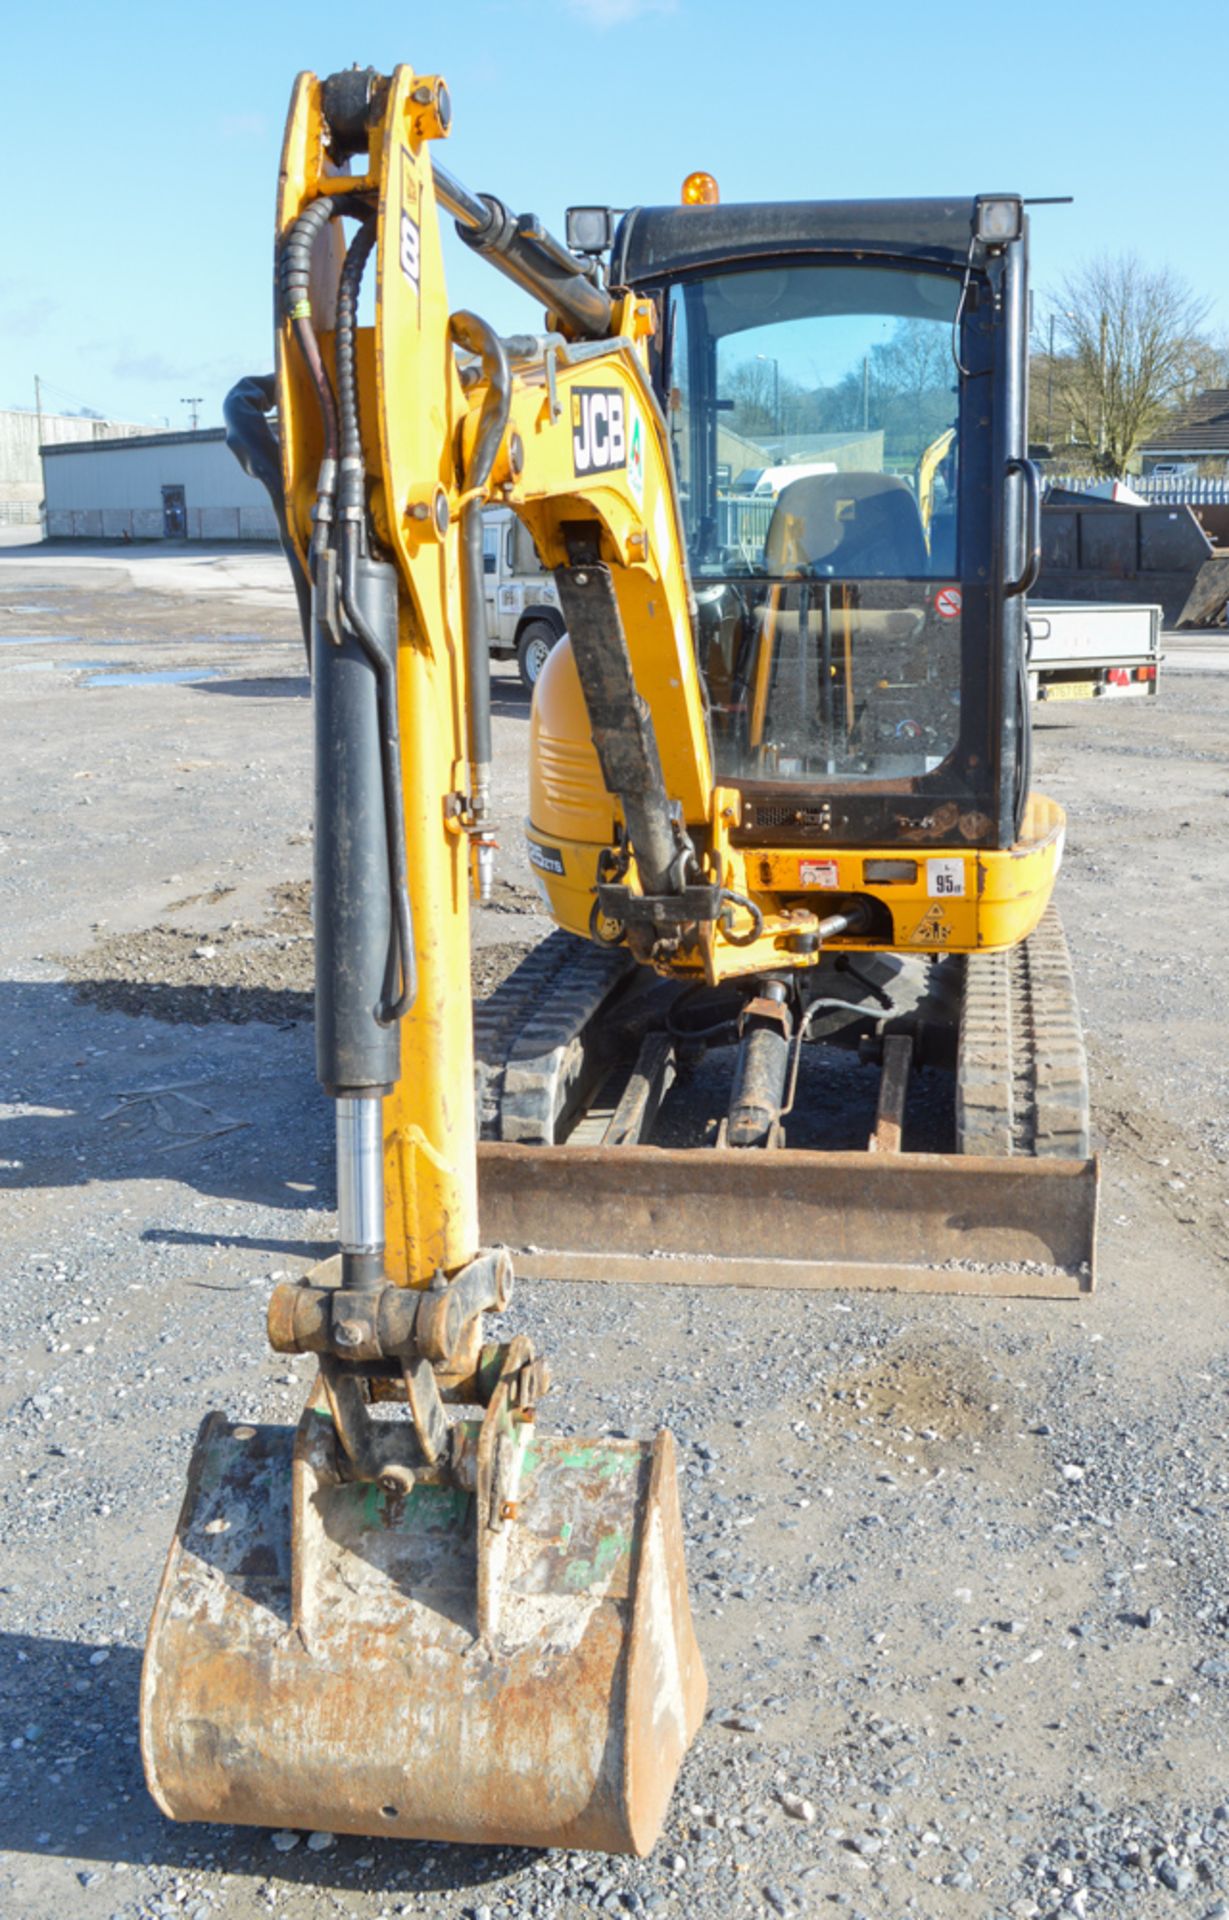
x: 446, y: 1623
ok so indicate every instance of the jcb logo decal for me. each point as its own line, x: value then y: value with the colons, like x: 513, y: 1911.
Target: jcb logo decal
x: 599, y: 430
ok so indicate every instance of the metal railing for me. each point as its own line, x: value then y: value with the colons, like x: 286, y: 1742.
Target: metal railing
x: 742, y: 523
x: 1165, y: 489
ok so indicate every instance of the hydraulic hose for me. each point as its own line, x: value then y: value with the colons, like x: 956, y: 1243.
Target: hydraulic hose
x: 352, y: 514
x: 477, y: 337
x: 250, y: 438
x: 295, y: 274
x: 1024, y: 747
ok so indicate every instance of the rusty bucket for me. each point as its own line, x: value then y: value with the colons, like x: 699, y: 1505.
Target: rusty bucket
x: 327, y: 1655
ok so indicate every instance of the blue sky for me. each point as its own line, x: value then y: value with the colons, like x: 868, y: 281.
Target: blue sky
x: 143, y: 146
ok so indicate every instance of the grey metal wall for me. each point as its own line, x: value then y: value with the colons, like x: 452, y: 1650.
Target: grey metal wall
x: 114, y: 491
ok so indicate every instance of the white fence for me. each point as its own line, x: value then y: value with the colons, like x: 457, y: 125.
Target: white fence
x: 20, y: 513
x: 742, y: 523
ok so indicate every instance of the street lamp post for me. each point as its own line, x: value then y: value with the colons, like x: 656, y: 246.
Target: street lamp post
x: 1050, y: 389
x: 1067, y: 314
x: 192, y: 400
x: 775, y: 364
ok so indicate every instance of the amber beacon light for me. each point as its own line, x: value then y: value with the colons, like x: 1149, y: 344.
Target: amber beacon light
x: 700, y: 190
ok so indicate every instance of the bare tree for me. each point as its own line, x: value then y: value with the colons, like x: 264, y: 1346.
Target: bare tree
x: 765, y: 401
x: 1127, y: 332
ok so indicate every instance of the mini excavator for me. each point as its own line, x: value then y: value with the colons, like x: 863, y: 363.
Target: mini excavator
x: 779, y: 785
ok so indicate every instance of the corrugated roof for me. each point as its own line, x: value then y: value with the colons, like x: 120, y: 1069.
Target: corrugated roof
x: 134, y: 440
x: 1202, y: 426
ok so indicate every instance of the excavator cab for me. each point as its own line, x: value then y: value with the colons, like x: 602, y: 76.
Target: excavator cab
x: 859, y: 628
x: 841, y: 632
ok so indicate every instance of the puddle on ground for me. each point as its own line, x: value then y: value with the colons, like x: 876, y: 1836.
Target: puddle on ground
x: 81, y: 666
x: 162, y: 677
x: 39, y: 639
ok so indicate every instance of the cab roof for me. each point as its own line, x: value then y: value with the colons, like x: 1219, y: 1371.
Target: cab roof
x: 655, y: 243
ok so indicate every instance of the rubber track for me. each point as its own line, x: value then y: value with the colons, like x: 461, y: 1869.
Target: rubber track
x: 1021, y: 1075
x: 529, y: 1053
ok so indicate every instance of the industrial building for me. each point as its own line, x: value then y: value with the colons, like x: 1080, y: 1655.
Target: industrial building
x: 154, y: 486
x: 24, y: 431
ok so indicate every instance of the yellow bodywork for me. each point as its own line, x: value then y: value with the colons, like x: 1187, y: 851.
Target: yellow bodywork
x: 418, y: 422
x: 416, y: 418
x: 957, y: 899
x: 412, y: 407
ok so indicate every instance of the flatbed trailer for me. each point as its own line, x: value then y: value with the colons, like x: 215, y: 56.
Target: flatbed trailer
x: 1087, y: 650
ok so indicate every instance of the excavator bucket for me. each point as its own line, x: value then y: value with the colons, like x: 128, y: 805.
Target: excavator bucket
x: 328, y: 1655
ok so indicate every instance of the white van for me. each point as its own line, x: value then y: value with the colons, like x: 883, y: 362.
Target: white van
x: 770, y: 481
x: 523, y: 620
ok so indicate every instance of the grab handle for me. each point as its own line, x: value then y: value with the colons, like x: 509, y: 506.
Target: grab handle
x: 1030, y: 474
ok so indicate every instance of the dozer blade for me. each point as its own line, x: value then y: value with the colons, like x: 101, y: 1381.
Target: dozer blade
x: 315, y: 1658
x: 920, y: 1222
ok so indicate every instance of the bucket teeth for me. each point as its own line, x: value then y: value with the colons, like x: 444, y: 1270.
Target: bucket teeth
x: 325, y: 1653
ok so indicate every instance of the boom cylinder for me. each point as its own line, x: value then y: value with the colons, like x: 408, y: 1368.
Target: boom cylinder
x: 356, y: 1054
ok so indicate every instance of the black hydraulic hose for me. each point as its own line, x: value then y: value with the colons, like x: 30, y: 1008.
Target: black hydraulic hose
x: 351, y: 473
x: 250, y: 438
x: 1024, y: 746
x: 295, y: 275
x: 477, y: 337
x: 352, y: 510
x: 709, y: 1032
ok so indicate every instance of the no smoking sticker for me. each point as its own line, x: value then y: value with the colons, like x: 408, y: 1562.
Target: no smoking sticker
x: 947, y: 603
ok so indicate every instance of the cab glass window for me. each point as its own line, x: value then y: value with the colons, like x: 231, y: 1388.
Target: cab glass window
x: 814, y: 418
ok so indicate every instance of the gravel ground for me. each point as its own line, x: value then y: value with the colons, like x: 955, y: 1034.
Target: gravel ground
x: 959, y: 1567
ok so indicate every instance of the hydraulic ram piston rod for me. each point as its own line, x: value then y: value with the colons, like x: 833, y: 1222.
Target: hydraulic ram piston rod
x: 520, y: 246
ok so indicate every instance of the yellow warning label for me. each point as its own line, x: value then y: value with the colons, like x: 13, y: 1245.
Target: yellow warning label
x: 932, y: 928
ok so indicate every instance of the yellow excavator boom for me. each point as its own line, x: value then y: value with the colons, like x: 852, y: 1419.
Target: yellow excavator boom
x: 453, y: 1624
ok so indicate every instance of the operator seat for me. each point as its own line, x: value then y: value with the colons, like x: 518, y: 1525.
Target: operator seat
x: 852, y: 525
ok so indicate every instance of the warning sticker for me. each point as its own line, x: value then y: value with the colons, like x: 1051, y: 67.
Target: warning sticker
x: 818, y: 873
x: 546, y: 859
x: 635, y: 458
x: 932, y: 929
x: 947, y: 603
x: 945, y: 879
